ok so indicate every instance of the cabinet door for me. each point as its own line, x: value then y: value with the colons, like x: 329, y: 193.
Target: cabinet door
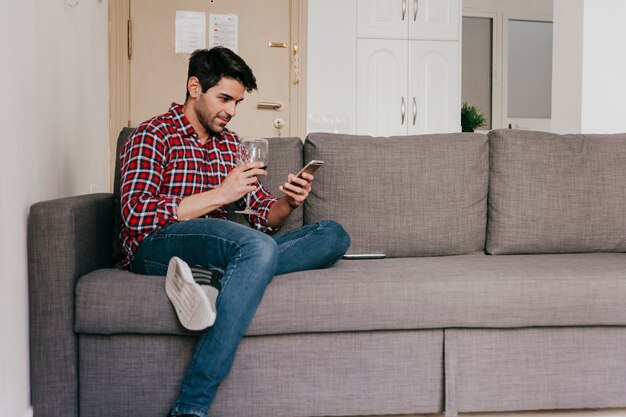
x: 383, y: 19
x: 382, y: 106
x: 434, y: 98
x: 434, y: 19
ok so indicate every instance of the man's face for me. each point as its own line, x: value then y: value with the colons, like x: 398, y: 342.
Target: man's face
x: 218, y: 104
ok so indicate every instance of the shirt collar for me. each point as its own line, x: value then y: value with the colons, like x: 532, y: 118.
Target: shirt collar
x: 182, y: 124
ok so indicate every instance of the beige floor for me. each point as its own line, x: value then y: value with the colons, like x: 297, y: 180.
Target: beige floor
x: 616, y: 412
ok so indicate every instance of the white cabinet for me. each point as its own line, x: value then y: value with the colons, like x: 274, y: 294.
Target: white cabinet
x: 407, y: 87
x: 408, y: 19
x: 434, y: 87
x: 381, y: 87
x: 435, y: 19
x: 408, y: 58
x: 382, y: 19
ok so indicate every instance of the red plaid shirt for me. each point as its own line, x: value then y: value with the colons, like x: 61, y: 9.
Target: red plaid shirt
x: 162, y: 162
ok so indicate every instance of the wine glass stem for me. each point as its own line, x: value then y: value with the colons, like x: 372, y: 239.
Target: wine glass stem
x: 248, y: 202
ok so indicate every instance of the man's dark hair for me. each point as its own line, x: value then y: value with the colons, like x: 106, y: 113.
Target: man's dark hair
x: 211, y: 65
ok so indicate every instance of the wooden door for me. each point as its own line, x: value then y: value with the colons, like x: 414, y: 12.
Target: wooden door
x: 158, y: 74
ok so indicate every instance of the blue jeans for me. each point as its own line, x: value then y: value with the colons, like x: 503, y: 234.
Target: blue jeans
x: 248, y: 259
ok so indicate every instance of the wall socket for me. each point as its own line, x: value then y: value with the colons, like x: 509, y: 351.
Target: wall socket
x: 94, y: 188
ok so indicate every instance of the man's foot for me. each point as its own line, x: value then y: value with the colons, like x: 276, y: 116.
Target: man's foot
x: 193, y: 307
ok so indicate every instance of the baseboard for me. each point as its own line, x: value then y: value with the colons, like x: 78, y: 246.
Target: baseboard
x: 28, y: 413
x: 602, y: 412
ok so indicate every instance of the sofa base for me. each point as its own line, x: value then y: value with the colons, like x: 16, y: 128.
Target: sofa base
x: 367, y: 373
x: 359, y: 373
x: 535, y: 368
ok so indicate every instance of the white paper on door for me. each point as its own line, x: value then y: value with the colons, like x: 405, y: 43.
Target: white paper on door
x: 223, y: 30
x: 190, y: 31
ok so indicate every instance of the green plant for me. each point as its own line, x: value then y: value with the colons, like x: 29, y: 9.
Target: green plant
x: 471, y: 118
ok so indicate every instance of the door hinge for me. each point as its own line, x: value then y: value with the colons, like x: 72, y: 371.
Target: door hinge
x: 130, y: 39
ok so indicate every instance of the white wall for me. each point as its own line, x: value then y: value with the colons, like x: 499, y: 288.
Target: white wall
x: 589, y: 66
x: 330, y: 66
x: 604, y: 67
x: 54, y: 143
x: 567, y: 58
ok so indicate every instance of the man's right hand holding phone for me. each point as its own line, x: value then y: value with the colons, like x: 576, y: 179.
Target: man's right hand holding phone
x: 298, y: 187
x: 296, y: 190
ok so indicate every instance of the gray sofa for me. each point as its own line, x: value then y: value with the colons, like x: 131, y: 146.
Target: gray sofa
x: 504, y: 288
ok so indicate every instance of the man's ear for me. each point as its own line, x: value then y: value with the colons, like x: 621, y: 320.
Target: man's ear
x: 193, y: 87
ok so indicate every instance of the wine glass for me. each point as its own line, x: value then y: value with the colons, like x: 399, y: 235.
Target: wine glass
x: 252, y: 150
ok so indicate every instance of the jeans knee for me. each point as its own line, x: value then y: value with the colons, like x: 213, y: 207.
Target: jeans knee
x: 337, y: 234
x: 262, y: 248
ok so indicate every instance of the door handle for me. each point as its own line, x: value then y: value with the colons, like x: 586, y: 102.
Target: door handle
x: 414, y: 111
x: 403, y: 110
x: 403, y: 9
x: 270, y: 105
x: 415, y: 7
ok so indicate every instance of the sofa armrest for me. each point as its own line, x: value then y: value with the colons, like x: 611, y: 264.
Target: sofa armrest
x: 67, y: 238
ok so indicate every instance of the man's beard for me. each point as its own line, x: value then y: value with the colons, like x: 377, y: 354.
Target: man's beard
x: 201, y: 115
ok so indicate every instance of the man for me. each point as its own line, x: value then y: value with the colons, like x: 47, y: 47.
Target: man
x: 179, y: 172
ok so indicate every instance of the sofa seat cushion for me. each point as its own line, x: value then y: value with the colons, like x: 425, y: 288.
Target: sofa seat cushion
x: 388, y: 294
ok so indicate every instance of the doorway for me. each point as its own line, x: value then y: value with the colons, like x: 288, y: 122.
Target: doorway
x: 507, y: 62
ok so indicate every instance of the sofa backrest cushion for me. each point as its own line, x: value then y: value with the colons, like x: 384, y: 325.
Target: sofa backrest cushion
x: 420, y: 195
x: 285, y: 157
x: 552, y: 193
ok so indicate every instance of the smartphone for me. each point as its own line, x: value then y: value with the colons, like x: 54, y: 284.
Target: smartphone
x: 364, y: 256
x: 310, y: 168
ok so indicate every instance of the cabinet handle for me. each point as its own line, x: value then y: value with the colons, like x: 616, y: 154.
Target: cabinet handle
x: 415, y: 7
x: 403, y: 9
x: 402, y: 110
x: 414, y: 111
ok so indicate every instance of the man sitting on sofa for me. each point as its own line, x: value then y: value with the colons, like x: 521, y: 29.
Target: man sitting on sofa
x: 179, y: 172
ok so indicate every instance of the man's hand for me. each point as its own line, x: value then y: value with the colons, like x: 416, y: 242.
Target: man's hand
x: 297, y: 189
x: 241, y: 181
x: 238, y: 182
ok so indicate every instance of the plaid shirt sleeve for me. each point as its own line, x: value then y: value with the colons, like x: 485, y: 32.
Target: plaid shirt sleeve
x: 142, y: 161
x: 261, y: 201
